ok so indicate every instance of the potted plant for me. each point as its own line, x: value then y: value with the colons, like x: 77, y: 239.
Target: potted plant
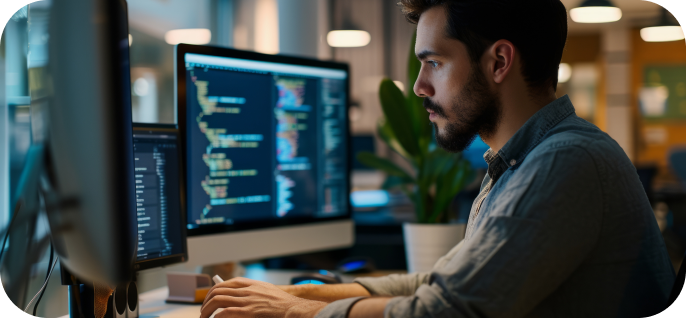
x: 434, y: 180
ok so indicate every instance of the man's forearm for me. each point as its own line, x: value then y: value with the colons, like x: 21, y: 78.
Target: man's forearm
x: 326, y: 293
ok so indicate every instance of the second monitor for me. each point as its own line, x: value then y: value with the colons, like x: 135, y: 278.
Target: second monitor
x: 159, y: 196
x: 266, y: 142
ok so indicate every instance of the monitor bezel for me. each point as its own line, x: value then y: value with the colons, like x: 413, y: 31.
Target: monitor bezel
x: 175, y: 258
x: 181, y: 109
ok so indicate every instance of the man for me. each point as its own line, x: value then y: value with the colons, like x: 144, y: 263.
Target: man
x: 562, y: 226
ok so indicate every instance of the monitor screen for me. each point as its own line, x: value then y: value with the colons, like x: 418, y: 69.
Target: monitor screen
x: 159, y: 210
x: 266, y: 140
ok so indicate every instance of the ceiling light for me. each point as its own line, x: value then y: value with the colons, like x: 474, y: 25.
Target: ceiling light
x: 348, y: 38
x: 188, y: 36
x: 130, y: 39
x: 596, y: 11
x: 564, y: 73
x: 662, y: 34
x: 665, y: 30
x: 349, y: 35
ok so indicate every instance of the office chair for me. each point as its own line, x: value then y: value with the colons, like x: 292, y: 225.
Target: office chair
x: 647, y: 173
x: 677, y: 160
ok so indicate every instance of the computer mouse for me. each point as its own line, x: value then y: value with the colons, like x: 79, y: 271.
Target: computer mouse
x: 357, y: 265
x: 319, y: 278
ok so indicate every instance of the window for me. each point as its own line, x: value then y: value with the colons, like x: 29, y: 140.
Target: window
x: 15, y: 117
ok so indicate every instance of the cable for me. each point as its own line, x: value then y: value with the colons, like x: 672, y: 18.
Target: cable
x: 47, y: 278
x: 9, y: 228
x: 44, y: 284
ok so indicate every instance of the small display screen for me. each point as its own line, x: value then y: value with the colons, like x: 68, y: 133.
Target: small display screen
x: 158, y: 204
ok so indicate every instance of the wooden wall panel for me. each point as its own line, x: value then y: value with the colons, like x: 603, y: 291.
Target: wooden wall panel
x: 582, y: 49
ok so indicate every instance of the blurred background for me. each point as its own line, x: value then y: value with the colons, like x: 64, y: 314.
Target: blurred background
x: 629, y: 82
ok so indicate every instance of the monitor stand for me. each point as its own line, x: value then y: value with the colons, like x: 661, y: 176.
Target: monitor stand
x: 87, y: 300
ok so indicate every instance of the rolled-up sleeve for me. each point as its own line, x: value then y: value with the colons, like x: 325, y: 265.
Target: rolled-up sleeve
x: 515, y: 260
x: 339, y: 308
x: 403, y: 284
x: 393, y: 285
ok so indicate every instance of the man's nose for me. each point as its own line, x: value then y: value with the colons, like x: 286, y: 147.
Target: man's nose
x: 422, y: 87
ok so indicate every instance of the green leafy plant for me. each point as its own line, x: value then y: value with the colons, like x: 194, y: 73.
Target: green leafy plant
x: 437, y: 175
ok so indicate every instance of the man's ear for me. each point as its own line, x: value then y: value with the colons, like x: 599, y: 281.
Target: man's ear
x: 501, y: 57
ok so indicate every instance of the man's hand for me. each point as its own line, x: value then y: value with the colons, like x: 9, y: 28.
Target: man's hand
x: 242, y: 297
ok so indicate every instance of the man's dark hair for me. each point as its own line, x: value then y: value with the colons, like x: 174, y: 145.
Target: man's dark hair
x: 537, y: 28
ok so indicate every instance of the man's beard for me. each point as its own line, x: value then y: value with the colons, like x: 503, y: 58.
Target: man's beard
x: 476, y: 112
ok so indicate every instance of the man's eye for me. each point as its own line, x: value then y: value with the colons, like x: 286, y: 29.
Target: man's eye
x: 433, y: 63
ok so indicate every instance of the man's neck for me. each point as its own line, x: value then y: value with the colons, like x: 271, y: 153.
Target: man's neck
x: 515, y: 113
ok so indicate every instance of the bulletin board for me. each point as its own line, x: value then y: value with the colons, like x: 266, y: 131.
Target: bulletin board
x: 663, y: 95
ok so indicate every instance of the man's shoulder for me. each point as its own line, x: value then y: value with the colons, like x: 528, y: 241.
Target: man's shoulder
x: 576, y: 147
x: 577, y: 136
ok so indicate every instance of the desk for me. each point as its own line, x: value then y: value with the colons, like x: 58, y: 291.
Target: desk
x: 152, y: 303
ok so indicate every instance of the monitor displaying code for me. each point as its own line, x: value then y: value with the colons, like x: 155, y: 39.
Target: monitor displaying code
x: 158, y: 205
x: 265, y: 141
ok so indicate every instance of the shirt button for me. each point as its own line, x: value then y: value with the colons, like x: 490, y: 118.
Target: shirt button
x: 513, y: 162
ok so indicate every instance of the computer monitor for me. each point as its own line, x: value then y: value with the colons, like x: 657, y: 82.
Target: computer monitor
x: 266, y: 142
x: 160, y: 194
x: 90, y: 140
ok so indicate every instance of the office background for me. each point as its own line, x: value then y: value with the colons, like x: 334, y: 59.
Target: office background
x: 632, y: 89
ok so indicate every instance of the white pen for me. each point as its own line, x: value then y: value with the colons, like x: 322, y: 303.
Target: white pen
x: 217, y: 279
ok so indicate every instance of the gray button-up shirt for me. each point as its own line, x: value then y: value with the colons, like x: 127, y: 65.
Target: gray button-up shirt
x: 562, y: 228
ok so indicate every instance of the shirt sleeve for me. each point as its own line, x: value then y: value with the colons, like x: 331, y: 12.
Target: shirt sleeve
x: 393, y: 285
x: 339, y: 308
x: 403, y: 284
x: 514, y: 261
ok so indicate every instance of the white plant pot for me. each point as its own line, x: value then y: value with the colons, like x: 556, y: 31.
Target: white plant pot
x: 426, y: 243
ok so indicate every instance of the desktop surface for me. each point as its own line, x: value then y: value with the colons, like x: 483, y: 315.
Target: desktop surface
x: 152, y: 303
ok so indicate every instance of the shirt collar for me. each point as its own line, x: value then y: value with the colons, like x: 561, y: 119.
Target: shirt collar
x: 528, y: 136
x: 496, y: 166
